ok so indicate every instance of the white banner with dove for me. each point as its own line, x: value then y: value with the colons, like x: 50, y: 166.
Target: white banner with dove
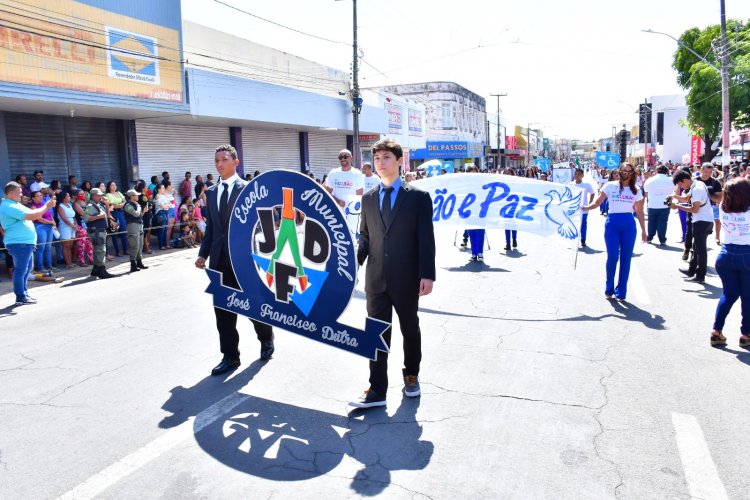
x: 504, y: 201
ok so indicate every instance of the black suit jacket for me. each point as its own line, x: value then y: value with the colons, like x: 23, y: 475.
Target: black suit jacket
x: 215, y: 244
x: 403, y: 253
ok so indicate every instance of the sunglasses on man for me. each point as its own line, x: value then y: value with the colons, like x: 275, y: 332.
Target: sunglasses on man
x: 343, y: 157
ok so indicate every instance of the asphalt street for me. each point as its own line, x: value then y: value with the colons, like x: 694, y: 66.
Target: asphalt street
x: 534, y: 386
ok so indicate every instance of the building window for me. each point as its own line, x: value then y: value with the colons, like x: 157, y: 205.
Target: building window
x: 447, y: 118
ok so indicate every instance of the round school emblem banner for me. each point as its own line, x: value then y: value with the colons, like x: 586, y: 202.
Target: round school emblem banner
x: 296, y: 263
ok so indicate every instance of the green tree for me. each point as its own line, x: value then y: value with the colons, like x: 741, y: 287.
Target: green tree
x: 703, y: 82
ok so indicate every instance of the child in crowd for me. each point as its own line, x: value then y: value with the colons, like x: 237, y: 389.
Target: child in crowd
x: 196, y: 217
x: 187, y: 234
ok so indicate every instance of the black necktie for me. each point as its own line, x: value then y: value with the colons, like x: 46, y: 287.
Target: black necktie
x: 224, y: 198
x: 385, y: 208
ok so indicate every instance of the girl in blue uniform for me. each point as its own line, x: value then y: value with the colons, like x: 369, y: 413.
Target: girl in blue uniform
x: 619, y: 230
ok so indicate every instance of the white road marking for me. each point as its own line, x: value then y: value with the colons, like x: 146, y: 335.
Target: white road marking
x: 637, y: 288
x: 99, y: 482
x: 700, y: 471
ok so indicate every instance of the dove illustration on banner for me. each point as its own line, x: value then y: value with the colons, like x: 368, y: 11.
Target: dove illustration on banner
x: 560, y: 208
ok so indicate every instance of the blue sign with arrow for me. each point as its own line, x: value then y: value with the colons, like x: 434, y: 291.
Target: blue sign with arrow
x: 295, y: 261
x: 608, y: 160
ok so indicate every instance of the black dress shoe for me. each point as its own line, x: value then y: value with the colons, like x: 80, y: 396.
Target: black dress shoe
x: 226, y: 365
x: 687, y: 272
x: 266, y: 349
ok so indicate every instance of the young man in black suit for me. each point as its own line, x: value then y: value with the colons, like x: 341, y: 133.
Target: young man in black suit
x: 397, y: 239
x: 220, y: 198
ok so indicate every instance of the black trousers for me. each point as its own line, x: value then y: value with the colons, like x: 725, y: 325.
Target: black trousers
x: 226, y: 322
x: 698, y: 262
x: 689, y: 233
x: 381, y: 306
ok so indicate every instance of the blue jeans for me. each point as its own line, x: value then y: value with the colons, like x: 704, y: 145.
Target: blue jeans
x: 584, y: 226
x: 476, y: 237
x: 120, y: 241
x: 619, y: 236
x: 657, y: 223
x: 510, y: 234
x: 604, y: 207
x: 733, y: 267
x: 44, y: 239
x: 23, y: 260
x: 683, y: 223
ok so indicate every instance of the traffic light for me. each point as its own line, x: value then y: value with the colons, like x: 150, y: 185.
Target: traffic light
x: 623, y: 137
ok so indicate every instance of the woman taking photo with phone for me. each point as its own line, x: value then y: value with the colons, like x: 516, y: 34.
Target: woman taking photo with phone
x: 619, y: 229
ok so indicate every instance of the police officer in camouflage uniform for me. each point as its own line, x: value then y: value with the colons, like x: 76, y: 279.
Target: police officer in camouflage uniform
x: 134, y: 220
x: 95, y: 216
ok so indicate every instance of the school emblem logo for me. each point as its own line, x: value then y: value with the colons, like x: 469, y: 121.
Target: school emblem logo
x: 295, y: 261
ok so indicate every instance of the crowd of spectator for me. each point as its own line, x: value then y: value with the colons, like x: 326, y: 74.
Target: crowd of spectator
x: 173, y: 219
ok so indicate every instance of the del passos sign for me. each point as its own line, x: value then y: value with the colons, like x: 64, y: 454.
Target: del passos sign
x: 295, y: 261
x: 454, y: 149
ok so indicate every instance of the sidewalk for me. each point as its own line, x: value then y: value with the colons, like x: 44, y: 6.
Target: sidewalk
x: 118, y: 266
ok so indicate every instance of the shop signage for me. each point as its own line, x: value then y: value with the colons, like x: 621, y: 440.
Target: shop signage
x: 695, y: 149
x: 395, y: 118
x: 114, y: 54
x: 415, y: 122
x: 511, y: 142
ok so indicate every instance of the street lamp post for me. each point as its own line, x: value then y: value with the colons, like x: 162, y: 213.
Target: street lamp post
x: 724, y: 71
x: 528, y: 142
x: 498, y: 126
x: 355, y: 97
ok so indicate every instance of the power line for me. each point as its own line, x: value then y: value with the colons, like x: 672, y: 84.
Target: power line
x: 282, y: 25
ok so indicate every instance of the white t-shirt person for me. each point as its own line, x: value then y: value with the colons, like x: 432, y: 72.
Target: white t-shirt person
x: 658, y: 188
x: 735, y: 227
x: 621, y: 201
x: 371, y: 182
x: 344, y: 185
x: 588, y: 190
x: 699, y: 193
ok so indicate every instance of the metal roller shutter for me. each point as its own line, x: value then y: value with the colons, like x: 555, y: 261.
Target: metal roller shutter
x: 36, y: 142
x: 93, y: 151
x: 270, y: 149
x: 324, y: 152
x: 177, y: 149
x: 85, y: 147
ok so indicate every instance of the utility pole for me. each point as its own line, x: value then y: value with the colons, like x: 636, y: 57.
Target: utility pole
x: 725, y: 152
x: 498, y: 127
x: 356, y: 99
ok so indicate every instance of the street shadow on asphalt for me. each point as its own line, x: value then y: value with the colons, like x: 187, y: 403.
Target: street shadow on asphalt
x: 707, y: 292
x: 186, y: 402
x: 475, y: 267
x: 743, y: 356
x: 9, y: 311
x: 514, y: 254
x: 283, y: 442
x: 631, y: 312
x: 590, y: 251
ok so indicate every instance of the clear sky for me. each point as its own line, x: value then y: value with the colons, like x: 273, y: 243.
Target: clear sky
x: 576, y: 67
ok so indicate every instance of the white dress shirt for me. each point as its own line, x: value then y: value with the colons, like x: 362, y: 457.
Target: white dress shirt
x: 220, y: 189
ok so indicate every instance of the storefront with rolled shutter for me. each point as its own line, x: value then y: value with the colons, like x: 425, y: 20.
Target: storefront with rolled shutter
x: 89, y: 148
x: 324, y: 152
x: 177, y: 149
x: 265, y: 150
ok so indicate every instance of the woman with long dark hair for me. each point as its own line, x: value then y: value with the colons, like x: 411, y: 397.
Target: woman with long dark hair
x: 619, y: 229
x: 731, y: 263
